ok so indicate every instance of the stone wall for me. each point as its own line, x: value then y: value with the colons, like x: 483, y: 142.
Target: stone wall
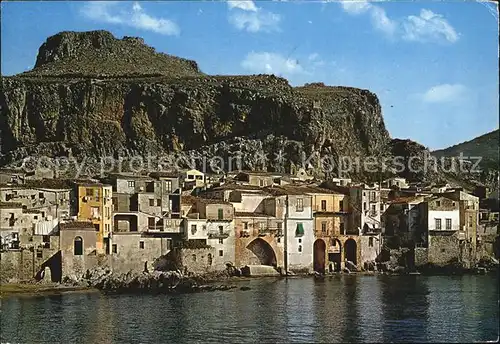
x: 369, y: 248
x: 194, y: 260
x: 136, y: 252
x: 421, y: 256
x: 27, y: 264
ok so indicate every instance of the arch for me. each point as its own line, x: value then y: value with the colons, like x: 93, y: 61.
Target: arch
x: 78, y: 246
x: 335, y: 255
x: 263, y: 251
x: 319, y: 256
x: 350, y: 253
x: 209, y: 257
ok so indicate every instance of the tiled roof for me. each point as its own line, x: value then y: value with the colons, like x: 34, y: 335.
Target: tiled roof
x: 250, y: 214
x: 76, y: 225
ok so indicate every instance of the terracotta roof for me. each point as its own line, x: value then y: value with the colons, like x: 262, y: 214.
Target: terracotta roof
x: 165, y: 174
x: 406, y: 199
x: 286, y: 190
x: 320, y: 190
x: 10, y: 205
x: 212, y: 201
x: 79, y: 225
x: 233, y: 186
x: 188, y: 200
x: 250, y: 214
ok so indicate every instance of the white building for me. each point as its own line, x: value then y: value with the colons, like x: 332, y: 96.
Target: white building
x: 443, y: 214
x: 296, y: 211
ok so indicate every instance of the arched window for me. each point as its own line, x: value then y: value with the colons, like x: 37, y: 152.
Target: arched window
x: 209, y: 259
x: 78, y: 246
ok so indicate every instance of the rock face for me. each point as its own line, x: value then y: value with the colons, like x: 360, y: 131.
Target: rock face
x: 91, y: 94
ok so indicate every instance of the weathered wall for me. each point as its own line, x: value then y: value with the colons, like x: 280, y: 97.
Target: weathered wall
x: 443, y: 249
x: 421, y: 256
x: 369, y: 248
x: 74, y: 266
x: 194, y: 260
x: 27, y: 264
x: 131, y: 255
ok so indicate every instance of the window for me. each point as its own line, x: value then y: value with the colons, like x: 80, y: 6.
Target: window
x: 193, y: 229
x: 470, y: 220
x: 35, y: 217
x: 448, y: 224
x: 114, y: 248
x: 89, y: 192
x: 300, y: 204
x: 278, y: 240
x: 106, y: 192
x: 39, y: 253
x: 168, y: 186
x: 151, y: 202
x: 78, y: 246
x: 334, y: 243
x: 438, y: 223
x: 95, y: 212
x: 209, y: 258
x: 300, y: 248
x: 131, y: 184
x: 323, y: 205
x: 96, y: 194
x: 323, y: 227
x: 158, y: 202
x: 151, y: 222
x: 108, y: 212
x: 261, y: 182
x: 40, y: 195
x: 141, y: 244
x: 438, y: 203
x: 220, y: 214
x: 453, y: 203
x: 300, y: 241
x: 381, y: 207
x: 190, y: 176
x: 341, y: 205
x: 374, y: 209
x: 221, y: 241
x: 370, y: 242
x: 245, y: 225
x: 221, y: 253
x: 221, y: 230
x: 342, y: 228
x: 364, y: 206
x: 193, y: 257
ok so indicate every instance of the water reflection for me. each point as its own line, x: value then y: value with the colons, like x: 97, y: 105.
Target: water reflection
x: 332, y: 310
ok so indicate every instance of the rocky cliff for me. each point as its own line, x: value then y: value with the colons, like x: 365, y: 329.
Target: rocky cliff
x: 91, y: 94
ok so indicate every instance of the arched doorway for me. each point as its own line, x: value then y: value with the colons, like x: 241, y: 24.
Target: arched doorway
x: 350, y: 253
x: 335, y: 255
x: 263, y: 251
x: 319, y: 256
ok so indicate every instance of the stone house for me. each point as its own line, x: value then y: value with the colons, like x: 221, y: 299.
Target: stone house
x: 446, y: 242
x: 192, y: 179
x: 403, y: 219
x: 147, y: 203
x: 260, y: 179
x: 78, y: 244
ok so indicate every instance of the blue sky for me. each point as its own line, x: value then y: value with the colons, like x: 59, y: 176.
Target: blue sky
x: 433, y: 65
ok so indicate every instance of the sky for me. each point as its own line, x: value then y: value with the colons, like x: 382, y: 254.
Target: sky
x: 433, y: 65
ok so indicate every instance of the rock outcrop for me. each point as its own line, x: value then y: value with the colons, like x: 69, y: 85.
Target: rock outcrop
x: 93, y: 95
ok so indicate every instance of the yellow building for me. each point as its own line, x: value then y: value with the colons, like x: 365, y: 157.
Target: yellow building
x: 95, y: 205
x: 332, y: 244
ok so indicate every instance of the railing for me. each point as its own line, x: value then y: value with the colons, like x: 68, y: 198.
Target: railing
x: 214, y: 234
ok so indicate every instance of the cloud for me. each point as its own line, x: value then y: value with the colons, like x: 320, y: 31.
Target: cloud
x: 271, y: 63
x: 245, y: 15
x: 426, y: 27
x: 110, y: 12
x: 444, y: 93
x: 243, y: 5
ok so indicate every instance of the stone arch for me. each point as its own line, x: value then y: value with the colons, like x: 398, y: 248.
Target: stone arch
x: 319, y: 258
x: 335, y: 255
x: 209, y: 258
x: 350, y: 251
x: 263, y: 251
x: 78, y: 246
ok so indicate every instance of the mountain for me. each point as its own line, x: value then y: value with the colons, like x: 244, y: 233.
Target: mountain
x: 92, y: 95
x: 485, y: 146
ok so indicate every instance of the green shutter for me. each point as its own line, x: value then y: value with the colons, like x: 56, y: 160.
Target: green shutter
x: 300, y: 230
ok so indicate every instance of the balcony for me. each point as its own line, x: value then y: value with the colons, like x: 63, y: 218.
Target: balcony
x: 216, y: 234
